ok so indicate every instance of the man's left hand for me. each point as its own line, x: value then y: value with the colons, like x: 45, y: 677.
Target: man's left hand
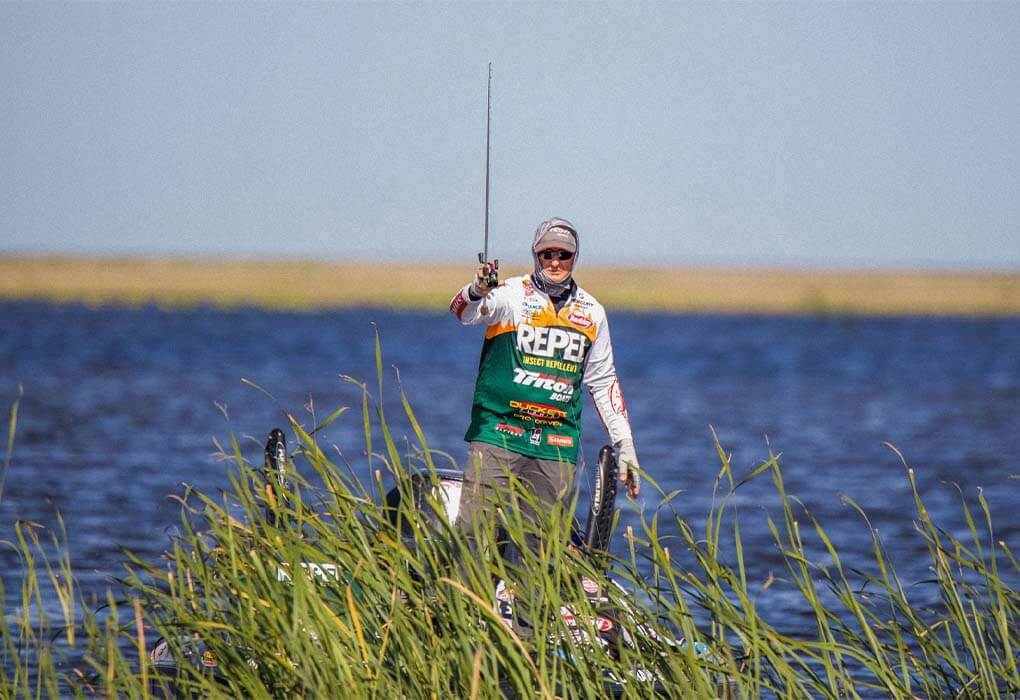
x: 626, y: 458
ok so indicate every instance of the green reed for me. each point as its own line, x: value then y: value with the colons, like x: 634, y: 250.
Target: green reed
x: 320, y: 588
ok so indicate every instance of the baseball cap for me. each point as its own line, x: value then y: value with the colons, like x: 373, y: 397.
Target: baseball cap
x: 555, y: 233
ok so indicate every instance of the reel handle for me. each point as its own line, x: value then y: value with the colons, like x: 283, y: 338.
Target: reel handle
x: 492, y: 271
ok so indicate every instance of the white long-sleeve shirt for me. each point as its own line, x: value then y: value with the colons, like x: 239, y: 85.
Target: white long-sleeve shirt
x: 533, y: 361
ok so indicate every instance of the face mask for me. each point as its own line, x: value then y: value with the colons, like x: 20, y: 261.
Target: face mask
x: 561, y: 234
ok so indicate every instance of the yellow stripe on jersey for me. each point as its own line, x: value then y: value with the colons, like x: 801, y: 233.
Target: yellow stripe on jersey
x: 499, y: 329
x: 568, y: 317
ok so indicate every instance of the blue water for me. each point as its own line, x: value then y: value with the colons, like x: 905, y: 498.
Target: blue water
x: 121, y: 406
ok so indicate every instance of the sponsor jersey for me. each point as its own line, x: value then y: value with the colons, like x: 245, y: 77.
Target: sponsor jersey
x: 534, y: 361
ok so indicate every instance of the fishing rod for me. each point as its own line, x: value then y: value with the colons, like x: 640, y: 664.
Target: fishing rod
x: 492, y: 269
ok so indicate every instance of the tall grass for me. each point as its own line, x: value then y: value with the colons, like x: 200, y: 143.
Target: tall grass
x: 319, y: 588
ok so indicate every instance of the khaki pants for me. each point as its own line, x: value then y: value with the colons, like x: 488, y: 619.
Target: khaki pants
x: 488, y: 471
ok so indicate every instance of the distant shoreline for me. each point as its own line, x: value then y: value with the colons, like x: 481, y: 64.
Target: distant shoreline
x: 292, y: 284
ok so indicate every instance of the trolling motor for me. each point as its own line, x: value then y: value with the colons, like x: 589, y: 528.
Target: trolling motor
x: 276, y: 457
x: 599, y: 528
x: 275, y: 468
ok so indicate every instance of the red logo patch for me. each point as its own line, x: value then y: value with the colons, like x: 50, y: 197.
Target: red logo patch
x: 568, y: 616
x: 603, y: 624
x: 579, y: 319
x: 510, y: 429
x: 560, y: 440
x: 457, y: 305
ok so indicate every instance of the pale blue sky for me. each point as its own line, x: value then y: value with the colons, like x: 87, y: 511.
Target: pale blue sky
x: 824, y: 134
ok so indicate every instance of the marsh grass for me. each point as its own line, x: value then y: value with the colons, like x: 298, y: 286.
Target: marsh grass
x: 305, y: 285
x: 319, y: 588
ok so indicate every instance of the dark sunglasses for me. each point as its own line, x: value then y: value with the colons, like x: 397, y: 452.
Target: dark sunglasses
x: 556, y: 254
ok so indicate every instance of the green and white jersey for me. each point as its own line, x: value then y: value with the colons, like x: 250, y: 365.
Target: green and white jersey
x: 534, y: 361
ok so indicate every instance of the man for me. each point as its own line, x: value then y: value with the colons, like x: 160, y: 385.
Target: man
x: 545, y: 338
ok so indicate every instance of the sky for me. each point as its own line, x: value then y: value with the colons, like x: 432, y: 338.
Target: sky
x: 876, y: 135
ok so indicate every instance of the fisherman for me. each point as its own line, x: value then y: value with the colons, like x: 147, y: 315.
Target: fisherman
x: 545, y: 337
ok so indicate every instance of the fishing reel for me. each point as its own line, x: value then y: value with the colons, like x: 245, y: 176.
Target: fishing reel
x: 491, y: 271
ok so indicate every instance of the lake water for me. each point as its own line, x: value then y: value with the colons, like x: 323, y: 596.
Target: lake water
x: 120, y: 406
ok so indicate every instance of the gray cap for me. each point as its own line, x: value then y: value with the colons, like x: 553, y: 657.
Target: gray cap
x: 555, y: 233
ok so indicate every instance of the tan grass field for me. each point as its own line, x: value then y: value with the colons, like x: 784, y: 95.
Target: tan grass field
x: 296, y: 285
